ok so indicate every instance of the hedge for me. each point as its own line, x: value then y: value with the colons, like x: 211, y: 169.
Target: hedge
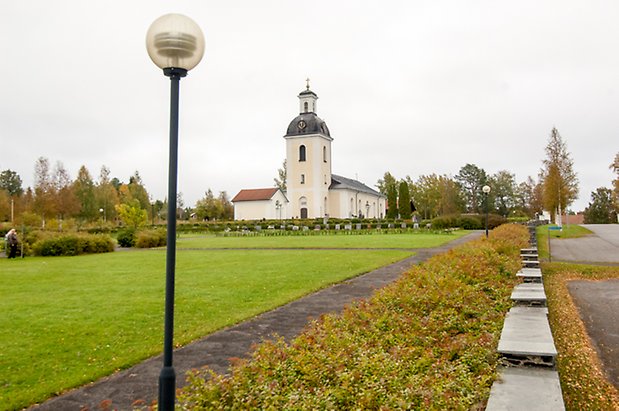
x: 150, y: 238
x: 73, y: 244
x: 428, y: 341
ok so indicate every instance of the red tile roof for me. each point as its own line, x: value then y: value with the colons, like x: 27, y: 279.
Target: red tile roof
x: 255, y: 194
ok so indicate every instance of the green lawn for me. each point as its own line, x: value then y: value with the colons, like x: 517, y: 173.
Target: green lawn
x: 341, y: 240
x: 67, y: 321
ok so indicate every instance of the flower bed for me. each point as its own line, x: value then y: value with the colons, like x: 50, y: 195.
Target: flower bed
x: 428, y: 341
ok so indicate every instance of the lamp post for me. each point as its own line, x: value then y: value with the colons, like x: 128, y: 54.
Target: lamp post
x: 486, y: 190
x: 175, y: 44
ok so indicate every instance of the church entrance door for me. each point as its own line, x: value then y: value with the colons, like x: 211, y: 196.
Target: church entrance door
x: 304, y: 212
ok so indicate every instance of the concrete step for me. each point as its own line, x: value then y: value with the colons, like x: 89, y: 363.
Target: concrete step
x: 526, y: 338
x: 531, y: 264
x: 529, y: 294
x: 528, y: 250
x: 529, y: 257
x: 530, y: 275
x: 526, y: 389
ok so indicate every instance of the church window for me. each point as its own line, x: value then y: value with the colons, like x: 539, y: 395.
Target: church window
x: 324, y: 154
x: 302, y: 153
x: 302, y: 178
x: 305, y: 106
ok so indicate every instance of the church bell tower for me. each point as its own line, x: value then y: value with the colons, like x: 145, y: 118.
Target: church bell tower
x: 308, y: 160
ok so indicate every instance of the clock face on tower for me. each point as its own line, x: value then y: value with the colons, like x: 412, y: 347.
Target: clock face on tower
x: 301, y: 124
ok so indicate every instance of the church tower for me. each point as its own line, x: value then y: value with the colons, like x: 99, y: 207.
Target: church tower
x: 308, y: 160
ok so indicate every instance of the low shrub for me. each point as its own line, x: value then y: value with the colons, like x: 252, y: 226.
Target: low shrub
x: 72, y: 244
x: 150, y: 238
x: 126, y: 237
x: 427, y: 341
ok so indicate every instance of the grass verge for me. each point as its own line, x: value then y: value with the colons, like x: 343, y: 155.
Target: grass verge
x: 427, y: 341
x: 583, y: 382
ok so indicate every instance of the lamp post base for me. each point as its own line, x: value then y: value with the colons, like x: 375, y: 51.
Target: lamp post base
x: 167, y: 389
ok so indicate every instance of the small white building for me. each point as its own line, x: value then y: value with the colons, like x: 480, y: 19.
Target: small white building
x: 256, y: 204
x: 312, y: 190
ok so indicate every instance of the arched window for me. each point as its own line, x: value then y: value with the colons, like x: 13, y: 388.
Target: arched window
x: 324, y: 154
x: 303, y: 207
x: 305, y: 106
x: 302, y: 178
x: 301, y: 153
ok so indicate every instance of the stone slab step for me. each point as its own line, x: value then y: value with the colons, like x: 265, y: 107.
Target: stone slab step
x: 526, y: 389
x: 530, y: 293
x: 526, y: 338
x: 528, y: 250
x: 530, y: 263
x: 530, y: 257
x: 530, y: 275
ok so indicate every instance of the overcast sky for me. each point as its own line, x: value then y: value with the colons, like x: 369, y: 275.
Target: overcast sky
x: 410, y: 87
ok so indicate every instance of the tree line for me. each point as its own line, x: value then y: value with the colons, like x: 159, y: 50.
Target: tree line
x: 555, y: 190
x: 56, y: 199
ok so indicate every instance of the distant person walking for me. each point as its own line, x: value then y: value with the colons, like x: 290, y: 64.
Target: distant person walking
x: 11, y: 238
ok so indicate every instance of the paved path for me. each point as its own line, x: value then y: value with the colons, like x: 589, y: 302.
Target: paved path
x: 140, y: 381
x: 598, y: 304
x: 597, y: 301
x: 600, y: 247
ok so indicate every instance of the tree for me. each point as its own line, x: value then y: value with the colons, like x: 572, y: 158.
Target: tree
x: 601, y: 209
x: 280, y: 180
x: 386, y: 182
x: 404, y: 201
x: 560, y: 183
x: 615, y: 167
x: 131, y: 214
x: 392, y: 202
x: 11, y: 182
x: 503, y: 185
x: 138, y: 191
x: 106, y: 195
x: 84, y: 189
x: 527, y: 198
x: 44, y: 193
x: 67, y: 203
x: 435, y: 195
x: 472, y: 179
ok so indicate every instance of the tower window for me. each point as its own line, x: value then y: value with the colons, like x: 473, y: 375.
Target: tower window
x: 324, y: 154
x: 302, y: 178
x: 302, y: 153
x: 305, y: 106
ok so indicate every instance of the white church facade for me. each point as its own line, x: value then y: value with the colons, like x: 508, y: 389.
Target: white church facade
x: 312, y: 190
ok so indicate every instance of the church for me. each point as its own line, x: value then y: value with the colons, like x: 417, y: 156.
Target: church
x: 312, y: 190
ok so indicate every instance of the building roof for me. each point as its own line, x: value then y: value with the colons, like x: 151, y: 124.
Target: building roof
x: 343, y: 183
x: 255, y: 194
x: 307, y: 123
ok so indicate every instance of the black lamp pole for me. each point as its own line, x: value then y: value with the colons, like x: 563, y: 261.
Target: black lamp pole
x: 167, y: 378
x: 486, y: 215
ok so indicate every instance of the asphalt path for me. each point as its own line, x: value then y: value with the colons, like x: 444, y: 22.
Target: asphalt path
x: 139, y: 383
x: 600, y: 247
x: 597, y: 301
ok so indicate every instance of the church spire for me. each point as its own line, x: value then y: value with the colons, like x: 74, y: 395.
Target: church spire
x: 307, y: 99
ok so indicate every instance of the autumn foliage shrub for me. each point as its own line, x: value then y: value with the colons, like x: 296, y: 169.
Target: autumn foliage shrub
x: 72, y: 244
x: 428, y: 341
x: 150, y: 238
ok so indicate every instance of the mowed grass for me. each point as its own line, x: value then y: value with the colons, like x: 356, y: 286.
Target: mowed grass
x: 67, y: 321
x: 342, y: 239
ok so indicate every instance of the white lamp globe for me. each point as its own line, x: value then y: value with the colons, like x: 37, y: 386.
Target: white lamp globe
x: 175, y: 41
x: 486, y: 189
